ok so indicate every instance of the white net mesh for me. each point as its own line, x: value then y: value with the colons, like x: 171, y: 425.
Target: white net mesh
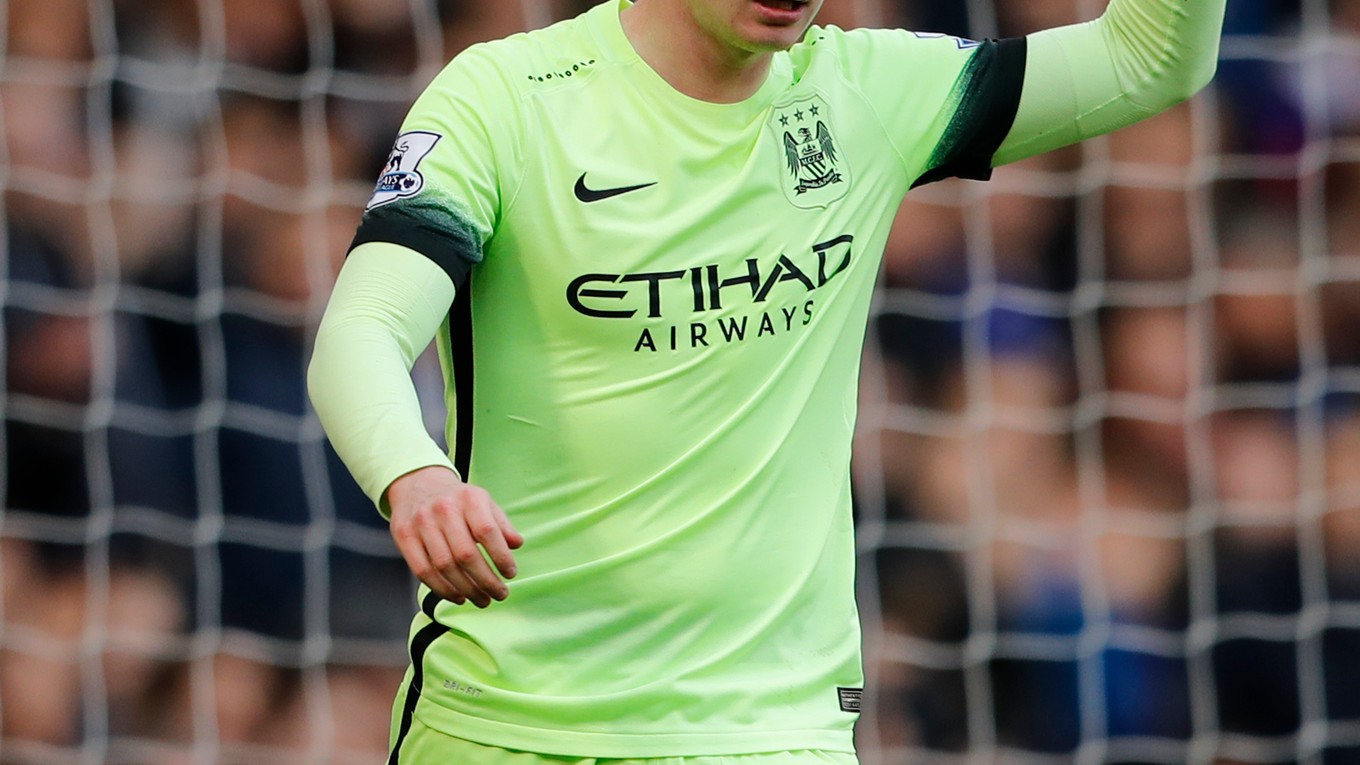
x: 1108, y: 473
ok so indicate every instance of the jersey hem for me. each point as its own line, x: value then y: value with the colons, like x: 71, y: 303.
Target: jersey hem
x: 648, y: 745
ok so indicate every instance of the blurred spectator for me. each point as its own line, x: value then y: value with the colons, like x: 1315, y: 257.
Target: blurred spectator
x: 1149, y: 354
x: 1147, y: 229
x: 49, y: 29
x: 48, y: 611
x: 268, y: 34
x: 468, y: 21
x: 1021, y: 17
x: 1257, y: 471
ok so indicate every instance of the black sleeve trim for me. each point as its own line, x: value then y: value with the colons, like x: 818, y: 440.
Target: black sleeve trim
x: 453, y: 250
x: 991, y: 98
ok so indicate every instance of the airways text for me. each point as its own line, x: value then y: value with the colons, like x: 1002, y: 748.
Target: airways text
x: 712, y: 297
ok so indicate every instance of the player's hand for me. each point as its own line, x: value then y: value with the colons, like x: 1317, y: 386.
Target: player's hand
x: 438, y: 523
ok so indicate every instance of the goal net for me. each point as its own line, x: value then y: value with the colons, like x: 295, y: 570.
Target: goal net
x: 1107, y: 472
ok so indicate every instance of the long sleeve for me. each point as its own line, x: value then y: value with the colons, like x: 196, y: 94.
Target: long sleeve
x: 1139, y: 58
x: 387, y: 305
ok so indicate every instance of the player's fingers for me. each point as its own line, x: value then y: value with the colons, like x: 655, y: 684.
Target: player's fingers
x: 470, y: 560
x: 512, y: 536
x: 464, y: 585
x: 445, y: 561
x: 412, y: 548
x: 482, y: 523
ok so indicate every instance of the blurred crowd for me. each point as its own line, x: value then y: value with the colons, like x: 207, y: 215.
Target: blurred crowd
x: 1108, y: 474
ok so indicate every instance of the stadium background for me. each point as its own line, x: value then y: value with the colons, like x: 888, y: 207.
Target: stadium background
x: 1108, y: 470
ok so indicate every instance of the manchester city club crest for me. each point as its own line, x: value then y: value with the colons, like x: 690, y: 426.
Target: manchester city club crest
x: 815, y: 171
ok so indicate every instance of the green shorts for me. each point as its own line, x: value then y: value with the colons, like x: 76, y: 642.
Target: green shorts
x: 426, y: 746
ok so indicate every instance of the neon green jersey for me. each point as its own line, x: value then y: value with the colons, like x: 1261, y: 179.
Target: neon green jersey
x: 652, y: 367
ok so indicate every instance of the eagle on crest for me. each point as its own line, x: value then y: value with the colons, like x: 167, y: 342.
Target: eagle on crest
x: 812, y: 158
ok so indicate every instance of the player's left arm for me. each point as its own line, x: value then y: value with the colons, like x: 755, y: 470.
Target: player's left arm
x: 1140, y: 58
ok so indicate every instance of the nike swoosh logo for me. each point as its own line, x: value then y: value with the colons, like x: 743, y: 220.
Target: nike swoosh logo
x: 589, y: 195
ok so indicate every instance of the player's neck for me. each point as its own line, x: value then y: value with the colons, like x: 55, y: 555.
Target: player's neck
x: 694, y: 62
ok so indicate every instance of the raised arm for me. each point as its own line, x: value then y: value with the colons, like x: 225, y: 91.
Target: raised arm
x: 1141, y: 57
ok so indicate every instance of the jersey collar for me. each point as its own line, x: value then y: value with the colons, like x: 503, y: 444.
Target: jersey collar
x: 605, y: 24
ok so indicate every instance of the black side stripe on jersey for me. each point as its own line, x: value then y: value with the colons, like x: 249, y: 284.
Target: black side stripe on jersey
x: 460, y: 353
x: 460, y: 347
x: 420, y: 643
x: 991, y: 88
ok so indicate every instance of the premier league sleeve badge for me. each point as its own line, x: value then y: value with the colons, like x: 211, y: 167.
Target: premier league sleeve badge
x: 401, y: 176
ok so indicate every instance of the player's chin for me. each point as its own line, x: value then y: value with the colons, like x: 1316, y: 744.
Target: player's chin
x: 771, y: 40
x: 775, y: 43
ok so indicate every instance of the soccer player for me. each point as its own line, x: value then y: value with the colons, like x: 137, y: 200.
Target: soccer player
x: 645, y: 241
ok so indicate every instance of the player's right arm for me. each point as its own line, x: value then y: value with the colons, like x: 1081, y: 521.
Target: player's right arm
x: 437, y: 202
x: 387, y: 304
